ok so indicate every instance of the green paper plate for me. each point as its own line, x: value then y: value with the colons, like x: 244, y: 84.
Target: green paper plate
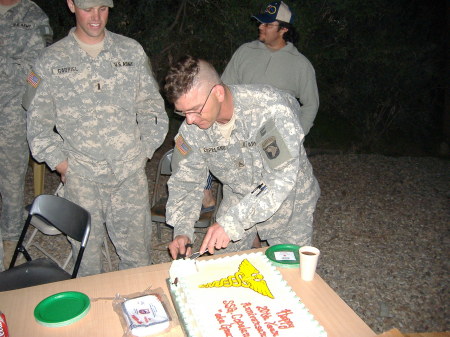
x: 62, y: 309
x: 285, y: 255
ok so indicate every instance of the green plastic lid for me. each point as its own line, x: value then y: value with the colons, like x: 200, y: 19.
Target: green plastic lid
x: 62, y: 309
x: 285, y: 255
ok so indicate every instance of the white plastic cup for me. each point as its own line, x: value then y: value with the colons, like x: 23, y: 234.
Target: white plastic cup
x: 308, y: 262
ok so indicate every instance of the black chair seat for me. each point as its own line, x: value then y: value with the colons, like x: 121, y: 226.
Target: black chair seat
x: 32, y: 273
x: 68, y: 218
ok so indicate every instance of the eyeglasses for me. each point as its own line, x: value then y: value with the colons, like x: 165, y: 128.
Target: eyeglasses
x: 184, y: 113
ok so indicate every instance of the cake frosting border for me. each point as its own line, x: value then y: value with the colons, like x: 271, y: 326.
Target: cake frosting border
x: 183, y: 312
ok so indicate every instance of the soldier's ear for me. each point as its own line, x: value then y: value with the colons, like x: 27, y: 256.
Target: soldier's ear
x: 219, y: 91
x: 71, y: 5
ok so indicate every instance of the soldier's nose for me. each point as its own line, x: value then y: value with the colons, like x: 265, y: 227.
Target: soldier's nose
x: 190, y: 118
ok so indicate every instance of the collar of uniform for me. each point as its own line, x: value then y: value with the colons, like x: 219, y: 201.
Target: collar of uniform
x: 107, y: 44
x: 108, y: 40
x: 239, y: 127
x: 14, y: 11
x: 215, y: 136
x: 239, y: 111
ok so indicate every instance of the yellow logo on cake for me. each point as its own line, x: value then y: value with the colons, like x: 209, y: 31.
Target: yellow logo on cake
x: 247, y: 276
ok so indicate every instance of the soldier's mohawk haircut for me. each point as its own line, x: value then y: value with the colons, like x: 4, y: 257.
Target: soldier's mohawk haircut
x: 181, y: 77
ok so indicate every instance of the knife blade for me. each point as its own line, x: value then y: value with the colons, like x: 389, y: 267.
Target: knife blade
x: 196, y: 255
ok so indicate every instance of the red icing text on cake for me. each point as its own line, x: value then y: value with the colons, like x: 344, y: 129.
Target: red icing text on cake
x: 234, y: 319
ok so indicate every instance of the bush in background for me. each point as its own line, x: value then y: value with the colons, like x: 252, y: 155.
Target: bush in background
x: 380, y: 64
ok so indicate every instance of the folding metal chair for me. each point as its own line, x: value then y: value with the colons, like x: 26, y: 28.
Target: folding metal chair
x: 68, y: 218
x: 43, y: 227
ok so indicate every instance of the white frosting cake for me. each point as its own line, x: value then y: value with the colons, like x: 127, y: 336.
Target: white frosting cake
x: 240, y: 295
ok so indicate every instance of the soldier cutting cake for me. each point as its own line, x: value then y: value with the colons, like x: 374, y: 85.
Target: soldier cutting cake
x: 249, y: 137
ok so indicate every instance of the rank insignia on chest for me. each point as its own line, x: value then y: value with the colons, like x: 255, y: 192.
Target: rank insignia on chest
x: 271, y: 148
x: 33, y: 79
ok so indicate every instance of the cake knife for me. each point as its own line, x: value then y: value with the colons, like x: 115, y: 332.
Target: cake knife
x: 197, y: 254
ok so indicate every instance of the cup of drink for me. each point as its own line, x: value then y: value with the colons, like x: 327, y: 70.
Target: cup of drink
x: 308, y: 262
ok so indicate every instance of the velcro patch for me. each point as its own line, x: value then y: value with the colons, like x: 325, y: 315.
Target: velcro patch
x: 22, y: 25
x: 33, y: 79
x: 272, y: 145
x: 120, y: 64
x: 45, y: 30
x: 271, y: 148
x: 182, y: 146
x: 65, y: 70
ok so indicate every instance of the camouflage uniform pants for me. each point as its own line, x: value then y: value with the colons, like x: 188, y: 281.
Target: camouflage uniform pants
x: 14, y: 155
x: 124, y: 209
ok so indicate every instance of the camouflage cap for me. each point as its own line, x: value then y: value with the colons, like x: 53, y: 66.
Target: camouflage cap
x: 92, y: 3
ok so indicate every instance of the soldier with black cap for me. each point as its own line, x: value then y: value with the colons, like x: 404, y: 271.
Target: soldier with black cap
x: 274, y: 60
x: 96, y: 89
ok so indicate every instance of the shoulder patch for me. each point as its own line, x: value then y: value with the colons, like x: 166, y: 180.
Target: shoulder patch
x: 272, y: 145
x: 181, y: 151
x: 33, y: 82
x: 271, y: 148
x: 182, y: 146
x: 47, y: 32
x: 33, y: 79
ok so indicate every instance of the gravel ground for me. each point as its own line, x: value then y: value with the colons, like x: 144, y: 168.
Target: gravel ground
x: 382, y: 225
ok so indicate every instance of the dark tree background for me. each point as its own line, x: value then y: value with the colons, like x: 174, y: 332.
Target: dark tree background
x: 381, y: 65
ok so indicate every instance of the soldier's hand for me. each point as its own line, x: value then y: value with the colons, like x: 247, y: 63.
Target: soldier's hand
x: 215, y: 238
x: 178, y: 246
x: 61, y: 168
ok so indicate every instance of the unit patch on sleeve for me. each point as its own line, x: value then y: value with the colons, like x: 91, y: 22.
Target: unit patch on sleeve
x: 272, y: 145
x: 271, y: 148
x: 181, y: 151
x: 33, y: 79
x: 182, y: 146
x: 33, y: 82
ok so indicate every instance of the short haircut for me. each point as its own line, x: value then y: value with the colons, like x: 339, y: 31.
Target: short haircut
x: 180, y: 77
x: 187, y: 73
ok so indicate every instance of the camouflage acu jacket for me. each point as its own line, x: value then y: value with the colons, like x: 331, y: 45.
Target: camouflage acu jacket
x: 262, y: 166
x: 107, y: 111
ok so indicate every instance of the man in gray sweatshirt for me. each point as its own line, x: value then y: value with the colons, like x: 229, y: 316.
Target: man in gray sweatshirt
x: 274, y: 60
